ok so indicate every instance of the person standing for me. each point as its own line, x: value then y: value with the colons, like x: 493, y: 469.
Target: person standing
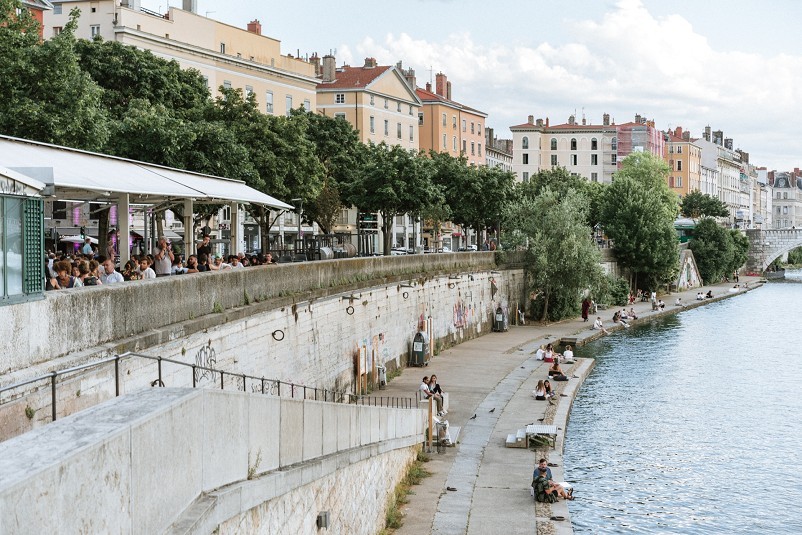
x: 163, y: 258
x: 205, y: 247
x: 109, y: 275
x: 86, y: 248
x: 585, y: 309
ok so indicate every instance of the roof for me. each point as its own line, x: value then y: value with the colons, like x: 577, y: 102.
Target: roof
x: 354, y: 77
x: 27, y: 181
x: 77, y: 173
x: 428, y: 96
x: 41, y: 5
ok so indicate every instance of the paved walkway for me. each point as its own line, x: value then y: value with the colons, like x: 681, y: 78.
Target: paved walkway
x: 498, y: 372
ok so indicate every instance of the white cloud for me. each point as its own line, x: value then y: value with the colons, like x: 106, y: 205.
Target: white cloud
x: 626, y: 61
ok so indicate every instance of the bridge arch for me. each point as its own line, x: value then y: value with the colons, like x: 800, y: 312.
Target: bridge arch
x: 765, y: 246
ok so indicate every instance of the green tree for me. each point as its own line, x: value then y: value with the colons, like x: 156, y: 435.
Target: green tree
x: 740, y: 250
x: 697, y: 204
x: 713, y: 250
x: 395, y: 181
x: 561, y: 262
x: 46, y: 96
x: 795, y: 256
x: 561, y: 181
x: 637, y: 211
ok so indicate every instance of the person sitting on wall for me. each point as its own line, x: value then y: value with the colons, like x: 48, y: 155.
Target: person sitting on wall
x: 599, y: 326
x: 661, y: 304
x: 540, y: 354
x: 546, y: 490
x: 547, y: 387
x: 678, y: 302
x: 426, y: 393
x: 568, y: 355
x: 556, y: 373
x: 632, y: 315
x: 434, y: 388
x: 700, y: 296
x: 617, y: 318
x: 709, y: 294
x: 540, y: 391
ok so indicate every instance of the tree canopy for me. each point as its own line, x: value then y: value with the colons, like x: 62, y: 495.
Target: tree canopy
x: 697, y: 204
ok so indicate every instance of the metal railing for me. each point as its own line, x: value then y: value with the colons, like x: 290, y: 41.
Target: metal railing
x: 258, y: 385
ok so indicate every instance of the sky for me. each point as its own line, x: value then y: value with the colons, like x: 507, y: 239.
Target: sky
x: 735, y: 65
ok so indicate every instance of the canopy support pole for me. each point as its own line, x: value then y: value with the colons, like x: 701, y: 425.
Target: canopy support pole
x: 189, y: 228
x: 124, y: 229
x: 234, y: 229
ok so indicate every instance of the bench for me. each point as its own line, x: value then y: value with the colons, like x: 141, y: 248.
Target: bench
x: 549, y: 431
x: 425, y: 401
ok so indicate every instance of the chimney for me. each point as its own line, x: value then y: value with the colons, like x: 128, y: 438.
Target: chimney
x: 132, y: 4
x: 488, y: 135
x: 584, y: 122
x: 686, y: 136
x: 571, y: 119
x: 440, y: 84
x: 637, y: 118
x: 191, y: 6
x: 315, y: 61
x: 448, y: 90
x: 718, y: 137
x: 429, y: 87
x: 370, y: 63
x: 547, y: 122
x: 539, y: 122
x: 531, y: 120
x: 329, y: 68
x: 255, y: 27
x: 706, y: 135
x: 728, y: 143
x: 409, y: 75
x: 606, y: 119
x: 678, y: 132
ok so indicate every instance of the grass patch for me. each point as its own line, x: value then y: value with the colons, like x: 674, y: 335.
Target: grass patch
x: 415, y: 474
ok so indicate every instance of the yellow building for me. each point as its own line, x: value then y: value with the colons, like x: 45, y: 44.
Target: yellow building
x: 225, y: 55
x: 448, y: 126
x: 375, y: 99
x: 684, y: 161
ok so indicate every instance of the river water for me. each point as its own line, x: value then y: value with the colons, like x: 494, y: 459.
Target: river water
x: 693, y: 423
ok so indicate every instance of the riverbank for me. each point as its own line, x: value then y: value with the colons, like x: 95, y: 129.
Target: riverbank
x: 497, y: 373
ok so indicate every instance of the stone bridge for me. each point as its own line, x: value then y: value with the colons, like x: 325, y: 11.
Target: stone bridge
x: 765, y: 246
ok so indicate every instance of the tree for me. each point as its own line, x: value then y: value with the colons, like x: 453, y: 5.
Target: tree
x: 395, y: 181
x: 713, y: 250
x: 637, y: 212
x: 561, y: 261
x: 697, y: 204
x: 740, y: 250
x: 46, y: 96
x: 561, y: 181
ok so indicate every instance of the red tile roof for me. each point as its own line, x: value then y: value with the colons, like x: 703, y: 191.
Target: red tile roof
x: 428, y: 96
x: 354, y: 77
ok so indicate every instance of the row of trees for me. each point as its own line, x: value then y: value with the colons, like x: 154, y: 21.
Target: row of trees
x: 107, y: 97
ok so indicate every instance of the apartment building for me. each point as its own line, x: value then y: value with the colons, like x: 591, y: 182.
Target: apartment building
x: 787, y: 200
x: 684, y: 161
x: 448, y: 126
x: 382, y: 106
x: 498, y: 152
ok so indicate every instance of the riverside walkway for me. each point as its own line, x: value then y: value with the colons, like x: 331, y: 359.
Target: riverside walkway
x: 497, y: 373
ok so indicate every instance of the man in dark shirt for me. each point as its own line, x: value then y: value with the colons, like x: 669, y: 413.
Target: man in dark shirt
x: 205, y: 247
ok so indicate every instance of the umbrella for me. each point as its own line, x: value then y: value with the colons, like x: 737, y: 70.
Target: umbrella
x: 77, y: 239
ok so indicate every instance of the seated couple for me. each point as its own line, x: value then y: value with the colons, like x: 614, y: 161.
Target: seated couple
x: 546, y: 490
x: 543, y: 391
x: 430, y: 389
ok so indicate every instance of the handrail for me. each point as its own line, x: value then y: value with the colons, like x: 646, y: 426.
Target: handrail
x: 258, y: 384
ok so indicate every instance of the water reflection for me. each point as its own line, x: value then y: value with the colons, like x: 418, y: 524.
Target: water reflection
x: 691, y: 424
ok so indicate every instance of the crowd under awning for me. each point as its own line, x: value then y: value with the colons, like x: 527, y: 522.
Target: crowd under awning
x: 88, y: 176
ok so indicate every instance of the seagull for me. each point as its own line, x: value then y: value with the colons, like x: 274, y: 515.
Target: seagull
x: 493, y: 409
x: 473, y: 417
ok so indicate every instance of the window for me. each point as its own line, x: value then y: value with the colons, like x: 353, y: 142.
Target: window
x: 410, y: 109
x: 308, y: 106
x: 472, y: 127
x: 594, y: 159
x: 222, y: 48
x: 464, y: 146
x: 679, y: 165
x: 372, y: 124
x: 525, y: 159
x: 455, y: 143
x: 386, y: 103
x: 420, y: 118
x: 269, y: 102
x: 479, y: 129
x: 594, y: 177
x: 614, y: 159
x: 339, y: 115
x: 479, y: 149
x: 445, y: 142
x: 473, y: 149
x: 525, y: 143
x: 679, y: 149
x: 573, y: 143
x: 464, y: 125
x: 386, y: 127
x: 594, y: 144
x: 248, y: 91
x: 60, y: 210
x: 57, y: 9
x: 614, y: 144
x: 95, y: 30
x: 398, y: 131
x: 411, y: 133
x: 227, y: 84
x: 56, y: 30
x: 525, y: 176
x: 678, y: 182
x: 288, y: 103
x: 372, y: 100
x: 398, y: 107
x: 339, y: 98
x: 671, y: 149
x: 671, y: 164
x: 554, y: 143
x: 553, y: 159
x: 444, y: 119
x: 785, y: 194
x: 574, y: 159
x: 453, y: 121
x: 671, y: 182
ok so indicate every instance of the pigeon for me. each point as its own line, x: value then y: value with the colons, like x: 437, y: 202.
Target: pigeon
x: 540, y: 419
x: 493, y: 409
x: 473, y: 417
x: 452, y: 489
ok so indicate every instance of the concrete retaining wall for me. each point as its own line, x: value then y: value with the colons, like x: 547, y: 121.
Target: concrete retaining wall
x: 69, y: 321
x: 138, y: 463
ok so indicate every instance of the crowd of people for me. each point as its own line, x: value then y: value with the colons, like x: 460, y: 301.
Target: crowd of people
x: 88, y: 267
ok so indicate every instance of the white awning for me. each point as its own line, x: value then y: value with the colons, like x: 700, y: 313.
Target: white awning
x: 77, y: 174
x: 15, y: 183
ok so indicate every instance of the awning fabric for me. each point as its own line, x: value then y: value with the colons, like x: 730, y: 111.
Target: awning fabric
x: 72, y: 171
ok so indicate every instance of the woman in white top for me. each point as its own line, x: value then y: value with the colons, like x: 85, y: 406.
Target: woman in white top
x: 540, y: 391
x: 568, y: 355
x: 599, y: 326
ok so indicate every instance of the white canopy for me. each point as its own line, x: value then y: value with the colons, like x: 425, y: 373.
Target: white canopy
x: 81, y: 174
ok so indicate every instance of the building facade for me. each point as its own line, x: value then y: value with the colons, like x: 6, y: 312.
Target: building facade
x: 684, y: 161
x: 787, y: 201
x: 498, y: 152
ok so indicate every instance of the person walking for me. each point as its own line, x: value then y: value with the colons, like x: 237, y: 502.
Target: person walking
x: 585, y: 309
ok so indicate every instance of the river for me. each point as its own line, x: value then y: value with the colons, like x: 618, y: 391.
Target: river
x: 693, y: 423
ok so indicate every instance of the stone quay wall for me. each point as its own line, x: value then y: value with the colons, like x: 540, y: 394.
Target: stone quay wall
x: 311, y: 338
x: 182, y: 459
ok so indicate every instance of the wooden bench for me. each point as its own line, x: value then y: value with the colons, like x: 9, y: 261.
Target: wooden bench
x: 549, y: 431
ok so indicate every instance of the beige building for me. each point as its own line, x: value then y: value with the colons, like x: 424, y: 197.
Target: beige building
x: 225, y: 55
x: 684, y: 159
x: 381, y: 104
